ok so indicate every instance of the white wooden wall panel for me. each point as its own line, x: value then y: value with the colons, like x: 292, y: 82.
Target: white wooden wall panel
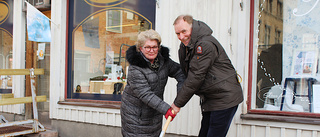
x: 9, y: 108
x: 315, y: 134
x: 68, y: 114
x: 110, y: 119
x: 275, y: 132
x: 117, y: 120
x: 291, y: 133
x: 276, y: 129
x: 81, y: 116
x: 18, y: 53
x: 88, y: 116
x: 240, y: 36
x: 57, y: 62
x: 100, y: 116
x: 252, y: 131
x: 74, y: 114
x: 238, y: 128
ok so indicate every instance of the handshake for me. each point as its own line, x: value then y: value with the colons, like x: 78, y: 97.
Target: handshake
x: 172, y: 111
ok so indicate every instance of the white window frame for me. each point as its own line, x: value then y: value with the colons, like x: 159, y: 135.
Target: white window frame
x: 111, y: 28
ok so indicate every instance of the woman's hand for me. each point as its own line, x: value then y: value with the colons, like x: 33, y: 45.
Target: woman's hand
x: 170, y: 113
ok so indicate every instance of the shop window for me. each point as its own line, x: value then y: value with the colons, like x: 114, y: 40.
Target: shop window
x: 285, y: 63
x: 5, y: 61
x: 6, y: 28
x: 97, y: 67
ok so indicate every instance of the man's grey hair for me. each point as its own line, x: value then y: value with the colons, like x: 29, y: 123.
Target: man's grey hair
x: 186, y: 18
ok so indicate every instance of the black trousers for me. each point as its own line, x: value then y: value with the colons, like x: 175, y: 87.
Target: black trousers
x: 216, y: 123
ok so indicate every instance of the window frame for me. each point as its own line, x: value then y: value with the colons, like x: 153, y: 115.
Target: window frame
x: 6, y: 30
x: 279, y: 8
x: 110, y: 27
x: 89, y: 99
x: 267, y: 34
x: 269, y: 5
x: 259, y: 114
x: 277, y: 35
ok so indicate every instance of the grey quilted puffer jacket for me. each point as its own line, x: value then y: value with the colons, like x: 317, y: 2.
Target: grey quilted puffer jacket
x: 142, y: 105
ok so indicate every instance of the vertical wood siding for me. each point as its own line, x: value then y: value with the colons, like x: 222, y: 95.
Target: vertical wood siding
x: 263, y: 130
x: 88, y: 115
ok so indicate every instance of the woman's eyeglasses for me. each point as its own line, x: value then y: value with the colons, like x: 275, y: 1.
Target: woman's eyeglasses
x: 153, y: 48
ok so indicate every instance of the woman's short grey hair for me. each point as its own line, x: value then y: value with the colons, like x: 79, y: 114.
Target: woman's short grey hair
x: 147, y: 35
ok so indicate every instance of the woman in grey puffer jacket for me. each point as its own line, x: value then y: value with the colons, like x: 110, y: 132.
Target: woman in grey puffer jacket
x: 142, y: 105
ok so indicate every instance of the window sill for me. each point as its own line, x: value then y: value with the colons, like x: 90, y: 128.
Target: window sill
x: 91, y: 103
x: 289, y: 119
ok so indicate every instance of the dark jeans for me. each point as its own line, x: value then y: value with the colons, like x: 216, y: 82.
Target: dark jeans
x: 216, y: 123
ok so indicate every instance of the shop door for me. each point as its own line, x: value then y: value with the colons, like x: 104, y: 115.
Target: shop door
x: 38, y: 56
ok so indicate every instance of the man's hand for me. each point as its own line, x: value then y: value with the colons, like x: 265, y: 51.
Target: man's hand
x: 170, y: 113
x: 175, y: 108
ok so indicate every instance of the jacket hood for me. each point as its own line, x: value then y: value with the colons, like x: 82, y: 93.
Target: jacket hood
x: 136, y: 58
x: 199, y: 29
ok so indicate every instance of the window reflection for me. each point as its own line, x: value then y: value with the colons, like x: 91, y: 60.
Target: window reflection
x: 5, y: 61
x: 269, y: 58
x: 100, y: 45
x: 287, y: 56
x: 114, y: 21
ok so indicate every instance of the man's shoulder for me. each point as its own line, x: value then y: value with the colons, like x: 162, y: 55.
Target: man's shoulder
x: 209, y: 40
x: 205, y: 44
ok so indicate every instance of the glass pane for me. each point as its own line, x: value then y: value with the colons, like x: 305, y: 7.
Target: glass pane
x: 286, y: 56
x: 43, y: 81
x: 5, y: 61
x: 100, y: 66
x: 114, y: 21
